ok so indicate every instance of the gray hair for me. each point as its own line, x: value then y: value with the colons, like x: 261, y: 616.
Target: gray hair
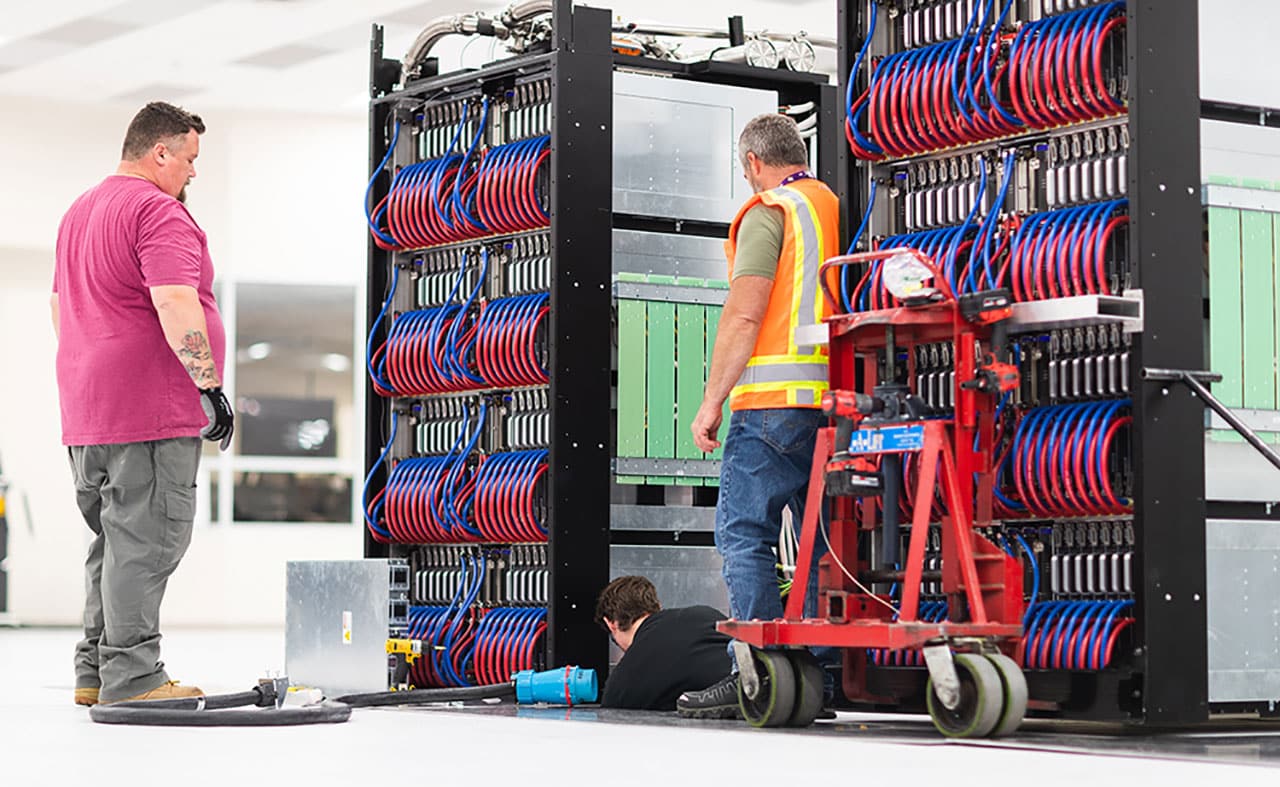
x: 775, y: 140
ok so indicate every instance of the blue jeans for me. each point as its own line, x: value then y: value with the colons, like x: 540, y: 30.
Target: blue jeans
x: 767, y: 458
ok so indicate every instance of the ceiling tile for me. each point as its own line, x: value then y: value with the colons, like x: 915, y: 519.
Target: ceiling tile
x: 285, y: 56
x: 149, y: 12
x: 156, y: 91
x: 89, y: 30
x: 30, y: 51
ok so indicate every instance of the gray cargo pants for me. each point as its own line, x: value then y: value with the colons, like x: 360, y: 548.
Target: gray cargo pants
x: 139, y: 501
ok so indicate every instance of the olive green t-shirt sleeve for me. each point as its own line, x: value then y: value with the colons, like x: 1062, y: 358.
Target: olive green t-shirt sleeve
x: 759, y: 242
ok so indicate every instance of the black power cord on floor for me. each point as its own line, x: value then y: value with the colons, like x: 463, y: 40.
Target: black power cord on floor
x: 569, y: 685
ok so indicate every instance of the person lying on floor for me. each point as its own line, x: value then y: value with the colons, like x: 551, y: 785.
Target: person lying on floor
x: 665, y: 652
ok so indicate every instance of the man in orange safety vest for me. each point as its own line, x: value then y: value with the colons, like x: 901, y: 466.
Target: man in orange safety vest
x: 773, y: 382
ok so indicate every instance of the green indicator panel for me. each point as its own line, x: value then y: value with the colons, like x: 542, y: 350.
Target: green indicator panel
x: 1257, y: 246
x: 661, y: 422
x: 632, y: 387
x: 1226, y: 327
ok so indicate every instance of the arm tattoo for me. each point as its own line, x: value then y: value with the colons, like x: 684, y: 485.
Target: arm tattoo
x: 197, y: 359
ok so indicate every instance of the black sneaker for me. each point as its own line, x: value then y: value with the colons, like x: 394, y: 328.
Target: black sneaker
x: 717, y: 702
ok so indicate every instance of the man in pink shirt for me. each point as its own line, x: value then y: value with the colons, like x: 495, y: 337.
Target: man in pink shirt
x: 140, y: 353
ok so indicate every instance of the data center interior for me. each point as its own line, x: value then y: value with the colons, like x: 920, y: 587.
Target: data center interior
x: 1049, y: 482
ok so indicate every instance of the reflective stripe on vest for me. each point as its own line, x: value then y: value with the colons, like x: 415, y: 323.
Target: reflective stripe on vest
x: 805, y: 302
x: 799, y: 377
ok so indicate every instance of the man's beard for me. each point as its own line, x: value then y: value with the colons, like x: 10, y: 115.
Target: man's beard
x: 182, y: 195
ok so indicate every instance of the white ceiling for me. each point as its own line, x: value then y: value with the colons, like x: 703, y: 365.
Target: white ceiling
x: 295, y: 55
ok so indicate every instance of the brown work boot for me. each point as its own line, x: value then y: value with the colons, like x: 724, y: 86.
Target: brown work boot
x: 86, y: 697
x: 165, y: 691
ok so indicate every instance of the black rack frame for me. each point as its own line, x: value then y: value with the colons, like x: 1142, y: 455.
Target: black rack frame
x: 580, y: 64
x: 1168, y: 683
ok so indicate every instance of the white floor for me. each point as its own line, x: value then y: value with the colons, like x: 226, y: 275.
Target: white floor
x: 46, y: 740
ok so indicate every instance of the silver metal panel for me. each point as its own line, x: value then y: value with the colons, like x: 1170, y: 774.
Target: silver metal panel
x: 669, y: 293
x: 684, y: 576
x: 1243, y: 582
x: 1231, y: 150
x: 1241, y: 198
x: 336, y: 624
x: 1235, y: 471
x: 675, y: 518
x: 1080, y: 310
x: 669, y: 255
x: 693, y: 468
x: 1237, y: 47
x: 675, y: 146
x: 1257, y: 420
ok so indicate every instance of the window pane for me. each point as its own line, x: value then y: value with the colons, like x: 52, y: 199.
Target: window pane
x: 294, y: 370
x: 292, y: 497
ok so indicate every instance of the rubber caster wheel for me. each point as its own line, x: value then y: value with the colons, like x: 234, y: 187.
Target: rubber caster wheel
x: 809, y: 688
x: 776, y: 701
x: 1014, y: 694
x: 981, y: 699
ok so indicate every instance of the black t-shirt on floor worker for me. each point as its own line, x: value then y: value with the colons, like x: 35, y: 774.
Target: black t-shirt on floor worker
x: 674, y: 651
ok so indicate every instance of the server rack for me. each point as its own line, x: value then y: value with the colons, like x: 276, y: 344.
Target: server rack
x: 591, y: 496
x: 1160, y: 678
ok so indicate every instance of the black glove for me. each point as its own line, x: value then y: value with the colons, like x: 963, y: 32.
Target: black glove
x: 222, y: 422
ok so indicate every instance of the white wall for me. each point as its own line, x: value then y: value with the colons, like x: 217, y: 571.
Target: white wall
x: 279, y: 196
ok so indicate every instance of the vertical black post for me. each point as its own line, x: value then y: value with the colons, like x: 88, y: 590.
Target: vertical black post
x: 831, y: 164
x: 376, y: 408
x: 581, y: 241
x: 849, y: 180
x: 1166, y: 251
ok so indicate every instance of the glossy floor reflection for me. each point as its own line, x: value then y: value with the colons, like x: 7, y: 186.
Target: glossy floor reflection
x: 46, y: 740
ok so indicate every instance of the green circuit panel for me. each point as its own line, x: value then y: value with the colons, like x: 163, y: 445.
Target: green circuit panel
x: 691, y: 370
x: 631, y: 379
x: 1258, y: 302
x: 660, y: 437
x: 1226, y: 327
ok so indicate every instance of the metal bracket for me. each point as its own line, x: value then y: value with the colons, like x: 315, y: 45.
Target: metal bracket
x: 1195, y: 380
x: 942, y: 669
x: 747, y: 675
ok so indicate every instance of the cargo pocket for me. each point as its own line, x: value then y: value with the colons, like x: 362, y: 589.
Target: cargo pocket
x: 179, y: 511
x: 180, y: 504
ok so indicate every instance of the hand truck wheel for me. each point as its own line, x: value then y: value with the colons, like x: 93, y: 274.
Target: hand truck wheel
x: 1014, y: 685
x: 809, y: 688
x: 776, y: 700
x: 981, y: 699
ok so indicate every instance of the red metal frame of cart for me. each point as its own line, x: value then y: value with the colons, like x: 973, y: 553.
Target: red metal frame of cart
x: 976, y: 574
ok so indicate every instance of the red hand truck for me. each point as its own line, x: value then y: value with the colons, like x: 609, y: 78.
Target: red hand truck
x: 975, y: 688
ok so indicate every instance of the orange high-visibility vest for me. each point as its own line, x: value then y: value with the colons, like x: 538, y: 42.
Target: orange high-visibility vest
x: 782, y: 373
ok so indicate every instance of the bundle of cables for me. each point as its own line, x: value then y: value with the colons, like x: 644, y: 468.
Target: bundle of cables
x: 1073, y: 635
x: 986, y: 84
x: 456, y: 347
x: 1063, y: 459
x: 461, y: 497
x: 431, y: 499
x: 1058, y: 67
x: 1068, y: 252
x: 508, y: 640
x: 967, y: 255
x: 510, y: 499
x: 451, y: 630
x: 511, y: 343
x: 462, y: 195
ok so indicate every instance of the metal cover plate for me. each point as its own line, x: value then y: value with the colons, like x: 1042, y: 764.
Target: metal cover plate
x: 336, y: 624
x: 675, y: 146
x: 1243, y: 585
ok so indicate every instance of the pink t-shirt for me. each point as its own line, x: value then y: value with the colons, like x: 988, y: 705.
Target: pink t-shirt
x: 118, y: 379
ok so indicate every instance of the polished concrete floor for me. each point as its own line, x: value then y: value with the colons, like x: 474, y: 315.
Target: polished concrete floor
x: 45, y: 740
